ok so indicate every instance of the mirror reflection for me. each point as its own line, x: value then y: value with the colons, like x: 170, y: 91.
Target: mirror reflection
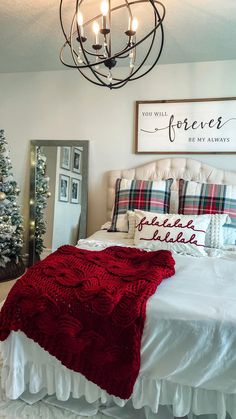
x: 58, y: 195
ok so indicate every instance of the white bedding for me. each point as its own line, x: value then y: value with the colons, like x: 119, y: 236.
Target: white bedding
x: 188, y: 355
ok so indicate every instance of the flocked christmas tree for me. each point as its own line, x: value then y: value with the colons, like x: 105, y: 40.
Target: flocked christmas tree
x: 11, y: 225
x: 42, y: 193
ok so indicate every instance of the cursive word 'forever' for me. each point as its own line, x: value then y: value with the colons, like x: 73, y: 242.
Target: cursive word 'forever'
x: 217, y: 123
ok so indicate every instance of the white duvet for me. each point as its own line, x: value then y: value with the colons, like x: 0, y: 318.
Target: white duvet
x: 188, y: 355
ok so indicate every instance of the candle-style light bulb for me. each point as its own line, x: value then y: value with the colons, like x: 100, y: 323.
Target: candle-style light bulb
x: 80, y: 21
x: 104, y: 11
x: 134, y: 24
x: 104, y: 7
x: 96, y: 31
x: 95, y: 28
x: 129, y: 25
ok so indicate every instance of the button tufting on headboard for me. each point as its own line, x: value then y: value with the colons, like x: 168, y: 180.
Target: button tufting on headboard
x: 176, y: 168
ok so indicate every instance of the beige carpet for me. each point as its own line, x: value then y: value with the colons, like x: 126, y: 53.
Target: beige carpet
x: 20, y: 410
x: 5, y: 288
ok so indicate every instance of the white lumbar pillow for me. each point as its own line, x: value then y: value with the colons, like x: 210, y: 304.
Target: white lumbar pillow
x: 215, y: 237
x: 177, y: 232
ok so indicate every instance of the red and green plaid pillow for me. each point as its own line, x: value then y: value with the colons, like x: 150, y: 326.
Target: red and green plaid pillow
x: 206, y: 198
x: 146, y: 195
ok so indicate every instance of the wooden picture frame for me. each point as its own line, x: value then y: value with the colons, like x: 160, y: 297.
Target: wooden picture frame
x: 186, y: 126
x: 63, y: 192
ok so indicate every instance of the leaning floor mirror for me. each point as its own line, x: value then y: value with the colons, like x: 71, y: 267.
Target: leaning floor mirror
x: 58, y: 195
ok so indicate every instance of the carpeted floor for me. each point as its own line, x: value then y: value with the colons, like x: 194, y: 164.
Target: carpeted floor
x: 42, y: 410
x: 20, y: 410
x: 5, y: 288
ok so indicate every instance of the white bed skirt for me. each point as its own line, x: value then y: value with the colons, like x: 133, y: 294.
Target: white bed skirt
x: 44, y: 371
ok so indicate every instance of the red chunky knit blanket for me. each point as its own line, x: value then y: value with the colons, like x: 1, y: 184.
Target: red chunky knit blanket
x: 87, y: 308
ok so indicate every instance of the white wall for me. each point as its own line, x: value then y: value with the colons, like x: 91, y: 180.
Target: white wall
x: 66, y: 214
x: 61, y: 105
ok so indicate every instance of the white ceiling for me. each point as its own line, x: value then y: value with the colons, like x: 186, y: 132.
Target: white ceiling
x: 195, y: 30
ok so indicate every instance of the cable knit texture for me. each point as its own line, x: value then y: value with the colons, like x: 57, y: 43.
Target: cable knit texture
x: 88, y: 308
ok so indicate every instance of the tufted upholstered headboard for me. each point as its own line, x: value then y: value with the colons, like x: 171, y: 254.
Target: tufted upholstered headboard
x: 175, y: 168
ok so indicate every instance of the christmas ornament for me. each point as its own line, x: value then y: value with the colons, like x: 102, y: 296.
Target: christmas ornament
x: 2, y: 196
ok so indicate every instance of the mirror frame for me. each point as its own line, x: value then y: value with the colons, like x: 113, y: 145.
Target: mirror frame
x: 84, y: 190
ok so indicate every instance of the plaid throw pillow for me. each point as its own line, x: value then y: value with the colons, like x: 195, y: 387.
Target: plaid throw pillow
x: 206, y: 198
x: 146, y: 195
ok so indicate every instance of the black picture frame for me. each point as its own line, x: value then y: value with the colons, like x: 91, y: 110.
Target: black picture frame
x: 64, y: 184
x: 75, y: 188
x: 76, y: 160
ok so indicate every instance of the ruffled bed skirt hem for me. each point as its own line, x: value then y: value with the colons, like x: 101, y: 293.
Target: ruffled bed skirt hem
x: 57, y: 380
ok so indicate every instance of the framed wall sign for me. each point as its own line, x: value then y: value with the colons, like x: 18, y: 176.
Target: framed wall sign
x: 195, y: 126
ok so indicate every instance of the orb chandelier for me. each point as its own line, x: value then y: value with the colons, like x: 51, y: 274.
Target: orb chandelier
x: 90, y: 43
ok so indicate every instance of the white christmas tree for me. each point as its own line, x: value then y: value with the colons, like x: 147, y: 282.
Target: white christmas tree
x: 11, y: 226
x: 41, y: 195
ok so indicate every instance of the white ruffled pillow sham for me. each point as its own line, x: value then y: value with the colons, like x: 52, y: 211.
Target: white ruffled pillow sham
x: 180, y: 233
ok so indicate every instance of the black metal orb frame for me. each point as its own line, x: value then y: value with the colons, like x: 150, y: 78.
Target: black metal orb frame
x: 81, y: 56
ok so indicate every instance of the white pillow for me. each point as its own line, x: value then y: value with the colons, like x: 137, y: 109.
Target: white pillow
x: 215, y: 235
x: 229, y: 235
x: 215, y: 231
x: 131, y: 224
x: 177, y: 232
x: 106, y: 226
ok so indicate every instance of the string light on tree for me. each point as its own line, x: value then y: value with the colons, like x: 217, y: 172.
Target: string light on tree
x: 41, y: 195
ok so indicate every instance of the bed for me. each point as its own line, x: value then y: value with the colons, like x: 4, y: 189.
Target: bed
x: 188, y: 358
